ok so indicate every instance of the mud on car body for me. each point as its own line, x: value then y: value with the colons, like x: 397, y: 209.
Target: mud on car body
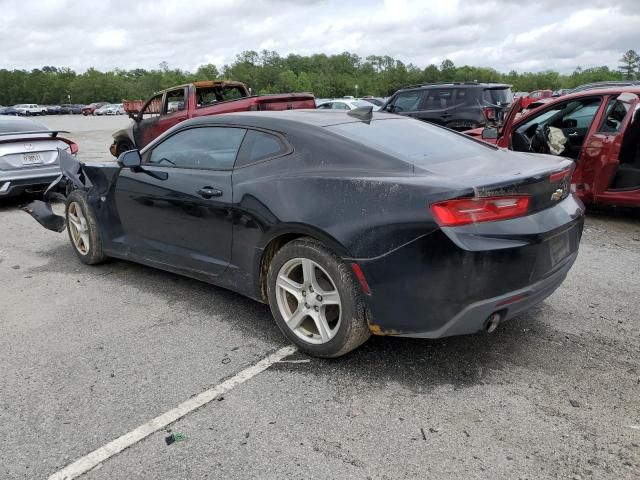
x: 346, y: 224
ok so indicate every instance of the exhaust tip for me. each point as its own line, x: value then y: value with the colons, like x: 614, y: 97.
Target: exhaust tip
x: 491, y: 324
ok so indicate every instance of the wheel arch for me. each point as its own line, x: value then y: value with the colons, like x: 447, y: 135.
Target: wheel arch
x: 279, y: 237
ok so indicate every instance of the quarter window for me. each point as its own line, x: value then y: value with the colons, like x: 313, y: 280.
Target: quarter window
x: 260, y: 146
x: 212, y: 148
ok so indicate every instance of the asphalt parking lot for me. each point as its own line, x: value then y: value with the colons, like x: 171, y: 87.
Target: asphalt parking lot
x: 88, y: 354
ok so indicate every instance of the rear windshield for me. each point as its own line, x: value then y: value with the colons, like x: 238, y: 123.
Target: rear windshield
x: 12, y: 124
x: 362, y: 103
x: 498, y: 96
x: 414, y: 141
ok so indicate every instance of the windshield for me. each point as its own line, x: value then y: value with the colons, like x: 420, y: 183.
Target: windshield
x: 416, y: 142
x: 498, y: 96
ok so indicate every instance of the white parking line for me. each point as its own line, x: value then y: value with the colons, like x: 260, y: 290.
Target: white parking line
x: 98, y: 456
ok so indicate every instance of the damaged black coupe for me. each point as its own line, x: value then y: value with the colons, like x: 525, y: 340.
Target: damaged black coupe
x: 346, y: 224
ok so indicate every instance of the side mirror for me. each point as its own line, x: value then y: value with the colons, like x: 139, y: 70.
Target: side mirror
x: 130, y: 159
x: 487, y: 133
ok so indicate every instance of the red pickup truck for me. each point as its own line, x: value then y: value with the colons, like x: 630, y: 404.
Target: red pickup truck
x: 170, y: 107
x: 598, y: 129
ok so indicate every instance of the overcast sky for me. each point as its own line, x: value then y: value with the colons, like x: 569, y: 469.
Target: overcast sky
x: 504, y: 34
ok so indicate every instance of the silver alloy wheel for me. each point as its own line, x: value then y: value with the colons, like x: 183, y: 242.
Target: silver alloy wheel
x: 308, y: 300
x: 78, y: 228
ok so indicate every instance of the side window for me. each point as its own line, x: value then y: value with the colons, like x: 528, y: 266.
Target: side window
x: 575, y: 114
x: 582, y: 116
x: 612, y: 121
x: 206, y: 96
x: 153, y: 107
x: 325, y: 106
x: 438, y: 99
x: 260, y: 146
x: 175, y: 101
x: 339, y: 106
x: 407, y: 101
x: 535, y: 95
x: 461, y: 96
x: 212, y: 148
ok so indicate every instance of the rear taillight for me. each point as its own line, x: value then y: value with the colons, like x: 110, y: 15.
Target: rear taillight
x: 73, y: 148
x: 561, y: 175
x: 489, y: 113
x: 463, y: 211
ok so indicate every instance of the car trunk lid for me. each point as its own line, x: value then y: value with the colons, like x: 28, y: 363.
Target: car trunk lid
x: 545, y: 179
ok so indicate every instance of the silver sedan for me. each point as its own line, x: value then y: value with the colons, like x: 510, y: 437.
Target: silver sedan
x: 28, y: 155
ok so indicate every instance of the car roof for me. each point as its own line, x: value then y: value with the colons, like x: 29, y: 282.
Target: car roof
x: 19, y: 124
x: 426, y: 86
x: 601, y: 91
x: 282, y: 119
x: 205, y: 84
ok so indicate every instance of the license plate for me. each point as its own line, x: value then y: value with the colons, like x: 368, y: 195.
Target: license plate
x: 31, y: 158
x: 559, y: 248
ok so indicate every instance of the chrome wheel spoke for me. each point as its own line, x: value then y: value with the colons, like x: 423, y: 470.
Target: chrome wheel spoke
x: 330, y: 298
x: 297, y: 318
x: 290, y: 286
x: 85, y: 240
x: 308, y: 272
x: 323, y: 327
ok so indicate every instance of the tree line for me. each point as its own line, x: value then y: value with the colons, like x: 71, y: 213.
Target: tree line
x: 268, y: 72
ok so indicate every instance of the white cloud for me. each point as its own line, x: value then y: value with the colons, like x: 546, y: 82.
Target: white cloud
x: 504, y: 34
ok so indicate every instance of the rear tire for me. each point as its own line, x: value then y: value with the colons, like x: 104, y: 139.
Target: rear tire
x: 82, y: 228
x: 316, y: 300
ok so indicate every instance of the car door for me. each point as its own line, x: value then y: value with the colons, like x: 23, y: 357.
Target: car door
x: 601, y: 151
x: 177, y: 208
x: 437, y: 105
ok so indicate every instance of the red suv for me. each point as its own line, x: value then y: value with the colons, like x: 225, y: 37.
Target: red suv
x: 598, y: 129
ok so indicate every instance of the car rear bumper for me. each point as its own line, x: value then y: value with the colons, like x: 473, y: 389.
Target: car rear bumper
x: 16, y: 183
x: 449, y: 282
x: 475, y: 317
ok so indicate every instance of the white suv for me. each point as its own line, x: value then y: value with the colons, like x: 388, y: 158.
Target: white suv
x: 30, y: 109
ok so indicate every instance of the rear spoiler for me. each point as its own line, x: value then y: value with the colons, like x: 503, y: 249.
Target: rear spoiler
x: 53, y: 133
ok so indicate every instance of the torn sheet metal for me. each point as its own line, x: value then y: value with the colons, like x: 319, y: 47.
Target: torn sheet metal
x: 43, y: 211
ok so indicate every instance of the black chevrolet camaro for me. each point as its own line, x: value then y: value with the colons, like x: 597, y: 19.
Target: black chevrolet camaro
x: 346, y: 224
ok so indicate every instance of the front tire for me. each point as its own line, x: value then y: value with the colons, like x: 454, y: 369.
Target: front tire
x: 82, y: 227
x: 315, y: 299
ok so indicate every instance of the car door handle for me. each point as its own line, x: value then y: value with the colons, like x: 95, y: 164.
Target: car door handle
x: 208, y: 192
x: 574, y: 134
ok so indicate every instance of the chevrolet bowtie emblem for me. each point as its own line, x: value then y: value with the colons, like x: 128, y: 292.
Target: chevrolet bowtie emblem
x: 557, y: 195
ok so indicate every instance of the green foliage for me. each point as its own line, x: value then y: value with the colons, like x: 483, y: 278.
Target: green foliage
x: 267, y: 72
x: 630, y: 65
